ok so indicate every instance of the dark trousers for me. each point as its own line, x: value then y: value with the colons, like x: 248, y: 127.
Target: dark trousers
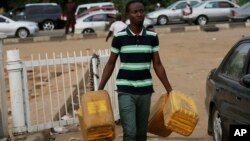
x: 134, y: 112
x: 70, y: 24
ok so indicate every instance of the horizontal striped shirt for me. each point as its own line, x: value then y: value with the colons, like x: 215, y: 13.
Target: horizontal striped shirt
x: 135, y: 55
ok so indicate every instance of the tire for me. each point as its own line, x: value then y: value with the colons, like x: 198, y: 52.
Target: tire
x: 22, y: 33
x: 162, y: 20
x: 48, y: 25
x: 219, y: 133
x: 248, y: 20
x: 202, y: 20
x: 87, y: 31
x: 210, y: 28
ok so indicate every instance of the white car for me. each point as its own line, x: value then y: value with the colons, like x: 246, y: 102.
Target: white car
x: 172, y: 13
x: 95, y: 21
x: 148, y: 23
x: 21, y: 29
x: 211, y: 11
x: 99, y: 20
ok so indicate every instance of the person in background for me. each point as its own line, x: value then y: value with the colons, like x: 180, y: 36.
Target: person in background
x: 70, y: 14
x: 188, y: 10
x: 137, y: 48
x: 158, y: 6
x: 116, y: 26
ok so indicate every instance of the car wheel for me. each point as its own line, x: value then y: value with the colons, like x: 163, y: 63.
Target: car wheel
x: 162, y: 20
x: 48, y: 25
x: 22, y: 33
x: 87, y: 31
x: 219, y: 132
x: 202, y: 20
x: 217, y: 128
x: 248, y: 19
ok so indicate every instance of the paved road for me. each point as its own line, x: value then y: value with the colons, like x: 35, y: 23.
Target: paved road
x: 60, y: 32
x: 187, y: 57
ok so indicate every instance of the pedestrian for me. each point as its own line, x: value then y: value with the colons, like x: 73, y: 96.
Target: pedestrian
x: 70, y: 14
x: 116, y: 26
x: 158, y: 6
x: 188, y: 10
x: 137, y: 48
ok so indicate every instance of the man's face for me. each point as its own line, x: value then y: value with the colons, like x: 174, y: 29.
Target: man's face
x: 136, y: 13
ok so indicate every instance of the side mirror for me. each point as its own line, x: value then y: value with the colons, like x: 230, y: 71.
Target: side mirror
x: 174, y: 9
x: 245, y: 81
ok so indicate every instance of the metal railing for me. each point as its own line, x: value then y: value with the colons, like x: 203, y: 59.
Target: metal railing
x: 45, y: 90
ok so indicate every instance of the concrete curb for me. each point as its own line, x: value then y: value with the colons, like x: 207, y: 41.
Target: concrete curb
x: 159, y: 30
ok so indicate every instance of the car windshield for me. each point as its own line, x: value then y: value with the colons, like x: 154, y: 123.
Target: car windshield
x: 171, y: 6
x: 246, y: 6
x: 198, y: 5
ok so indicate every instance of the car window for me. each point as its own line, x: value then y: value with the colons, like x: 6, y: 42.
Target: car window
x: 224, y: 4
x: 99, y: 17
x: 81, y: 10
x: 194, y: 2
x: 2, y: 20
x: 199, y: 4
x: 212, y: 5
x: 52, y: 9
x: 34, y: 10
x: 181, y: 5
x: 233, y: 68
x: 246, y: 6
x: 18, y: 11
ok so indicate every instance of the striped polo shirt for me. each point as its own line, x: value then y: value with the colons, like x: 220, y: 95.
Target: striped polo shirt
x: 135, y: 55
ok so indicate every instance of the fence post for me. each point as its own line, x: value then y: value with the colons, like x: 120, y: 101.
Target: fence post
x: 14, y: 67
x: 95, y: 73
x: 3, y: 106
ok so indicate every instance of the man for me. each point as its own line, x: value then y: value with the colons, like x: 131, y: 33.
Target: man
x: 116, y: 26
x: 188, y: 10
x: 137, y: 48
x: 70, y: 14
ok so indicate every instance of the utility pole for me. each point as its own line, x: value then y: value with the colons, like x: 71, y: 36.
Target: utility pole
x: 3, y: 105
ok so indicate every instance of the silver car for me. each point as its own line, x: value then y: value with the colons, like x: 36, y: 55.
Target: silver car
x: 210, y: 11
x: 98, y: 21
x: 21, y: 29
x: 93, y: 22
x: 240, y: 14
x: 172, y: 13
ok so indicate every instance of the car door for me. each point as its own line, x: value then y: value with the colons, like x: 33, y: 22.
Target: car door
x: 98, y: 22
x: 175, y: 13
x: 225, y: 9
x: 234, y: 98
x: 5, y: 26
x: 213, y: 12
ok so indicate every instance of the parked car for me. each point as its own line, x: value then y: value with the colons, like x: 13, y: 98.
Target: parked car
x: 21, y: 29
x: 99, y: 20
x: 93, y: 9
x: 95, y: 21
x: 228, y: 91
x: 85, y: 7
x: 210, y: 11
x: 48, y: 15
x: 240, y: 14
x: 172, y: 13
x: 147, y: 23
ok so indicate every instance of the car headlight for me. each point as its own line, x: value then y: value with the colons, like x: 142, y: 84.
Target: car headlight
x: 151, y: 15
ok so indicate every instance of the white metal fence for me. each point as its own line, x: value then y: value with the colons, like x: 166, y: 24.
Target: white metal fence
x: 45, y: 90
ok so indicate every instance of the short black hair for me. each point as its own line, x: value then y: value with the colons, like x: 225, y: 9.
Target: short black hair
x: 131, y: 2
